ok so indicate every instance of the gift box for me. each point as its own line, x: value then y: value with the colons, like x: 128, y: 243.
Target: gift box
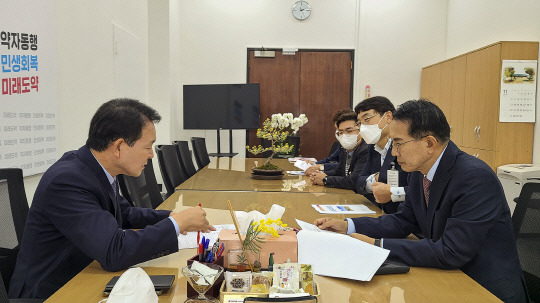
x: 284, y: 248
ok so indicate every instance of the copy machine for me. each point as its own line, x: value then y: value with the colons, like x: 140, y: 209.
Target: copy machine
x: 513, y: 177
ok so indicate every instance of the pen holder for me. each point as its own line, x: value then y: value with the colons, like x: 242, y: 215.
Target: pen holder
x: 214, y: 291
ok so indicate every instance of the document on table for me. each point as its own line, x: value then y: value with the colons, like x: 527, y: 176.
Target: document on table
x: 296, y: 172
x: 308, y: 226
x: 189, y: 240
x: 346, y: 209
x: 343, y: 256
x: 303, y: 165
x: 294, y: 159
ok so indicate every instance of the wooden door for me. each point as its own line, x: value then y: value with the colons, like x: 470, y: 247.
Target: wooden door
x: 481, y: 98
x: 431, y: 80
x: 310, y: 82
x: 457, y: 101
x: 445, y: 93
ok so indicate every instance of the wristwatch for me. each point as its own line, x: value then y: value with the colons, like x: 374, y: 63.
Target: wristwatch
x: 377, y: 242
x: 324, y: 180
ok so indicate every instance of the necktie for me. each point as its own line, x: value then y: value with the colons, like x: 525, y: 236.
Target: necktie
x: 114, y: 186
x: 426, y: 184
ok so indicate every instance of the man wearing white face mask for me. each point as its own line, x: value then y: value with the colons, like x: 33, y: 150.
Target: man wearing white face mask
x: 382, y: 180
x: 354, y: 155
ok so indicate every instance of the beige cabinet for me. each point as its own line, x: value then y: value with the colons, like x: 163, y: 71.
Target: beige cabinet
x: 467, y: 89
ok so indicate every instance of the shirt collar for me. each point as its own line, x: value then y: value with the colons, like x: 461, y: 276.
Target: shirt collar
x: 433, y: 169
x: 109, y: 177
x: 384, y: 150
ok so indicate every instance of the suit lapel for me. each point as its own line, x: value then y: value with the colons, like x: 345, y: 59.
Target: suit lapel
x: 86, y: 156
x: 440, y: 181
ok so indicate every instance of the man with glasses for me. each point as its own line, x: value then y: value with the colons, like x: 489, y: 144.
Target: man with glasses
x: 332, y: 161
x: 455, y: 200
x: 382, y: 180
x: 353, y: 157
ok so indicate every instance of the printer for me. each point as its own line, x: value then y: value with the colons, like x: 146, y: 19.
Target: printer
x: 513, y: 177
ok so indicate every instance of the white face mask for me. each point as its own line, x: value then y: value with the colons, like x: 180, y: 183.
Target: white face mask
x: 133, y: 286
x: 372, y: 133
x: 348, y: 141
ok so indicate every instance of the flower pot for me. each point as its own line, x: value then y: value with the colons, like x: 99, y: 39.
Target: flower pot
x: 267, y: 174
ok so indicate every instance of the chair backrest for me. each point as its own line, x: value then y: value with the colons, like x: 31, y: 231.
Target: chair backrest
x: 526, y: 221
x: 184, y: 154
x: 199, y: 149
x: 169, y: 164
x: 13, y: 212
x: 142, y: 191
x: 335, y: 146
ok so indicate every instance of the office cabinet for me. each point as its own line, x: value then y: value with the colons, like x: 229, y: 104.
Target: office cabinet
x: 467, y: 89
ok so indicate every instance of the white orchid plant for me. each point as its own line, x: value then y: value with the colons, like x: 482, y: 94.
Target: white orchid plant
x: 276, y: 130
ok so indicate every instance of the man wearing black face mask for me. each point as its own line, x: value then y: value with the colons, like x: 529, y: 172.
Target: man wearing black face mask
x: 353, y: 157
x: 382, y: 180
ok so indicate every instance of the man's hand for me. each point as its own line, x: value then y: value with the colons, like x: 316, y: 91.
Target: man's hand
x: 317, y: 178
x: 381, y: 192
x: 313, y: 169
x: 363, y: 238
x: 193, y: 219
x: 335, y: 225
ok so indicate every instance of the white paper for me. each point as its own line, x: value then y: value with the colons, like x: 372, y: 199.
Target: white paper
x: 303, y: 165
x: 294, y: 159
x: 296, y: 172
x: 308, y: 226
x: 189, y: 240
x: 345, y: 209
x: 342, y: 256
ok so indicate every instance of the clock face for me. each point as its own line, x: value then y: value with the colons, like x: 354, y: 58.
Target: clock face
x: 301, y: 10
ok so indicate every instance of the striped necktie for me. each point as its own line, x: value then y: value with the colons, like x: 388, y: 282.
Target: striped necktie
x: 427, y: 185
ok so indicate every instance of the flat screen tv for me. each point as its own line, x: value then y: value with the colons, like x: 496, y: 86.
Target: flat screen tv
x: 221, y: 106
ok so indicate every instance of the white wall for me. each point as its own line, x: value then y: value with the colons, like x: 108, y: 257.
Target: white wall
x: 474, y: 24
x: 393, y: 40
x: 85, y: 63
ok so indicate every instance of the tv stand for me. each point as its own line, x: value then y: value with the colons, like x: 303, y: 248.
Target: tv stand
x: 230, y: 154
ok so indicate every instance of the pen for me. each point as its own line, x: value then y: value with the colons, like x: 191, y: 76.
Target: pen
x: 199, y: 232
x: 220, y: 250
x: 200, y: 252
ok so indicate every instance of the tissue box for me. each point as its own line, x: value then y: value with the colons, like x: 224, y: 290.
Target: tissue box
x: 285, y: 247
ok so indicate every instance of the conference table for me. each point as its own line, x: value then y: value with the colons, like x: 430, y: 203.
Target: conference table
x: 418, y: 285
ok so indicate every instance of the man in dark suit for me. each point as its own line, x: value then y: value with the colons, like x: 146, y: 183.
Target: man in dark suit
x: 375, y: 115
x: 454, y: 199
x: 77, y: 214
x: 332, y: 161
x: 352, y: 159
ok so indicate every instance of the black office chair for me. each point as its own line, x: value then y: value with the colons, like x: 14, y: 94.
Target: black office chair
x: 4, y: 296
x: 335, y: 146
x: 184, y: 154
x: 526, y: 221
x: 171, y: 170
x: 199, y: 149
x: 142, y: 191
x: 14, y: 210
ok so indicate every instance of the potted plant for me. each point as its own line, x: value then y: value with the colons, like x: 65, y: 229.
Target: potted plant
x: 276, y: 129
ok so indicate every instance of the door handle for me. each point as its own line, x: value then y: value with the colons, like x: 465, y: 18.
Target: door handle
x: 478, y: 132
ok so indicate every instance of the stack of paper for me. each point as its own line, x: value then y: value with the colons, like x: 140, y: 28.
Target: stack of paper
x: 345, y: 209
x: 342, y: 255
x: 294, y: 159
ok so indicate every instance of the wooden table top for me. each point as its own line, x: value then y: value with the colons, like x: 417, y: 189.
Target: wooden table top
x: 419, y: 285
x: 234, y: 174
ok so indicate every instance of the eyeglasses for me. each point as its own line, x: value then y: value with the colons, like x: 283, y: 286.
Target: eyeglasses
x: 348, y: 131
x: 365, y: 120
x: 396, y: 146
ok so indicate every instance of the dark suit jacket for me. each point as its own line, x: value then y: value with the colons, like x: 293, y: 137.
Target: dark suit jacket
x: 337, y: 177
x: 331, y: 161
x: 373, y: 165
x: 74, y: 219
x: 467, y: 225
